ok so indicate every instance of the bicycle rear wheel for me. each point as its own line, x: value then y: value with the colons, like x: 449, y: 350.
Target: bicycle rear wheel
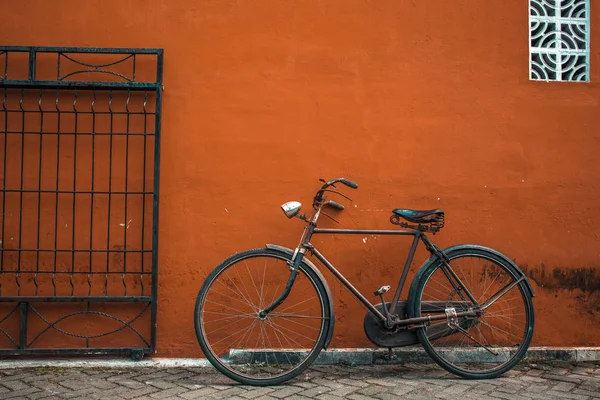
x: 255, y: 349
x: 482, y: 346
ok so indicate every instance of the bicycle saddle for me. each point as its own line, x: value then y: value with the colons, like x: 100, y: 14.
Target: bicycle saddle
x: 420, y: 216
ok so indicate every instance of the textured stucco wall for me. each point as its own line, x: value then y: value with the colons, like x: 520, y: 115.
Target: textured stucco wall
x: 424, y: 103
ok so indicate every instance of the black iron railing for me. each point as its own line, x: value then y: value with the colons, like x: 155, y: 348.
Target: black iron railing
x: 79, y: 164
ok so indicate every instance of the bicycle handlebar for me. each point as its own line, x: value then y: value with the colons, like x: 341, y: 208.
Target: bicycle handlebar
x: 349, y: 183
x: 319, y: 196
x: 345, y: 181
x: 335, y: 204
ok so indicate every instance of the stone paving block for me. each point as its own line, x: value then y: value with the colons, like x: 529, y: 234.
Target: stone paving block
x: 315, y: 391
x: 509, y: 388
x: 356, y: 396
x: 89, y: 391
x: 344, y: 391
x: 382, y: 382
x: 102, y: 384
x: 385, y: 396
x: 481, y: 388
x: 168, y: 392
x: 372, y: 390
x: 527, y: 378
x: 584, y: 378
x: 536, y: 388
x: 593, y: 394
x: 436, y: 382
x: 257, y: 392
x: 146, y: 391
x: 551, y: 376
x: 285, y: 392
x: 161, y: 384
x: 42, y: 395
x: 456, y: 389
x: 305, y: 385
x: 14, y: 384
x: 130, y: 384
x: 233, y: 391
x: 220, y: 387
x: 123, y: 376
x: 508, y: 396
x: 566, y: 395
x: 328, y: 396
x: 591, y: 386
x: 333, y: 384
x: 199, y: 393
x: 74, y: 384
x: 563, y: 386
x: 46, y: 385
x: 535, y: 372
x: 353, y: 382
x: 23, y: 393
x: 151, y: 375
x: 228, y: 398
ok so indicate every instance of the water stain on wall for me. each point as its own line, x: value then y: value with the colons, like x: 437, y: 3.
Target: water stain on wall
x: 585, y: 280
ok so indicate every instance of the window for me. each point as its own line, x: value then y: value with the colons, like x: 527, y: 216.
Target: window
x: 559, y: 44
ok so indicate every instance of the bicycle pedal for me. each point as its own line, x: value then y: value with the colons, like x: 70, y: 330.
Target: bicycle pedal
x: 382, y: 290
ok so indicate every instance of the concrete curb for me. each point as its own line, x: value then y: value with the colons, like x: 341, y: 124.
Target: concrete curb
x: 329, y: 357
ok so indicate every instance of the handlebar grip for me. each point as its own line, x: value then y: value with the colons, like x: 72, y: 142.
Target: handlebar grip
x: 349, y: 183
x: 335, y: 204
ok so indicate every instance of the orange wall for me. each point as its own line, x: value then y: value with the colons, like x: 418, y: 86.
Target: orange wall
x: 424, y: 103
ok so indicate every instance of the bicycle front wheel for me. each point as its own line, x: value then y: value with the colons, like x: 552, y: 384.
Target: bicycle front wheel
x: 482, y: 346
x: 243, y: 343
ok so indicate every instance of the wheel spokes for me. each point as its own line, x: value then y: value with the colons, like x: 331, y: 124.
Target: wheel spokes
x: 255, y: 345
x: 503, y: 319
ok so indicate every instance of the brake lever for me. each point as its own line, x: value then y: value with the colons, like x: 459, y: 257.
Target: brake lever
x: 336, y: 192
x: 330, y: 217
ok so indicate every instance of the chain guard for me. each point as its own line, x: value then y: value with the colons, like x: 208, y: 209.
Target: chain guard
x: 383, y: 337
x: 398, y: 337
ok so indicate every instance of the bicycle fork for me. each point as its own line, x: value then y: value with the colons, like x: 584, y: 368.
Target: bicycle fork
x: 294, y: 264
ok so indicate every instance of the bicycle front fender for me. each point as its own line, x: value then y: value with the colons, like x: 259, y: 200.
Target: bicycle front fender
x: 449, y: 251
x: 312, y: 267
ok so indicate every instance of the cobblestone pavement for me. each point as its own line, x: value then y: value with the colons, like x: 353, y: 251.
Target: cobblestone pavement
x: 411, y: 381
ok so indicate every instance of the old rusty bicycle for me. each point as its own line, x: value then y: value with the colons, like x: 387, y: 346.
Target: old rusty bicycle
x: 262, y: 316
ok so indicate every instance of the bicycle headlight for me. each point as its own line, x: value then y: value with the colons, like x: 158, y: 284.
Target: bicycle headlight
x: 291, y: 208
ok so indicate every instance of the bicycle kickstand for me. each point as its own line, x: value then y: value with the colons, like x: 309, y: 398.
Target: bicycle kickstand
x: 389, y: 356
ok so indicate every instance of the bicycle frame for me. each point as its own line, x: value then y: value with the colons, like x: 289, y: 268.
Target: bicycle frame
x: 305, y: 245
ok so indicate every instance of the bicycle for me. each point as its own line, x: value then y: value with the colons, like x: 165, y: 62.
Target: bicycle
x: 262, y: 316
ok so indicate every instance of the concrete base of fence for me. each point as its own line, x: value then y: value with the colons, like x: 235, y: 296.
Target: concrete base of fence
x: 329, y: 357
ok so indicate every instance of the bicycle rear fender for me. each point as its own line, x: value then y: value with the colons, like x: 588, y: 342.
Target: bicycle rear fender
x: 312, y: 266
x: 449, y: 250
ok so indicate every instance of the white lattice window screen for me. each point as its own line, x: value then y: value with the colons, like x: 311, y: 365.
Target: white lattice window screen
x: 559, y: 45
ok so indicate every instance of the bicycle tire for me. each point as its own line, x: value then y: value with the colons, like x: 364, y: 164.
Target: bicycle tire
x: 505, y: 320
x: 266, y: 367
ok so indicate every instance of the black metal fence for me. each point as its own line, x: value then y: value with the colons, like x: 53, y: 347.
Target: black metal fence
x: 79, y: 166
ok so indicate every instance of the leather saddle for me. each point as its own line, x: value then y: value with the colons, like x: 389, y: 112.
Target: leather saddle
x: 420, y: 216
